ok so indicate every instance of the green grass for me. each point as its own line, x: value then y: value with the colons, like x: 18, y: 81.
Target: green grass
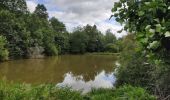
x: 17, y: 91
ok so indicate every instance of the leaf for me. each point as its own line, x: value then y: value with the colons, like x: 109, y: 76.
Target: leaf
x: 158, y: 27
x: 147, y: 3
x: 157, y: 62
x: 169, y: 7
x: 152, y: 30
x: 144, y: 40
x: 157, y: 20
x: 114, y: 9
x: 141, y: 13
x: 154, y: 45
x: 167, y: 34
x: 115, y: 15
x: 147, y: 27
x: 163, y: 21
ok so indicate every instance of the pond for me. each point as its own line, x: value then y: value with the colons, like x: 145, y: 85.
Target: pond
x: 76, y: 71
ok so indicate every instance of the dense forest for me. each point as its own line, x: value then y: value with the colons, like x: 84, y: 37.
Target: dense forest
x: 33, y: 35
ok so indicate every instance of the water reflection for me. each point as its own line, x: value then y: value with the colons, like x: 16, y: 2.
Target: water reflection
x: 101, y: 80
x: 52, y: 69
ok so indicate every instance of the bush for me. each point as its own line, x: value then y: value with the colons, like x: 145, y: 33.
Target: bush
x: 125, y: 92
x: 3, y: 51
x: 51, y: 49
x: 128, y: 92
x: 111, y: 48
x: 134, y: 68
x: 136, y: 71
x: 162, y: 84
x: 13, y: 91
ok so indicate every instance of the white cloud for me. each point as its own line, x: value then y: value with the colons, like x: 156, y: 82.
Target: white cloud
x: 31, y: 5
x: 81, y: 12
x: 84, y: 11
x: 103, y: 26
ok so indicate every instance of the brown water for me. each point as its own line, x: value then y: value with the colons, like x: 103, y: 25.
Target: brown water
x: 62, y: 70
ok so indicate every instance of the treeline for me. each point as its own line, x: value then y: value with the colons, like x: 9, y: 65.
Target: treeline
x: 90, y: 39
x: 24, y: 34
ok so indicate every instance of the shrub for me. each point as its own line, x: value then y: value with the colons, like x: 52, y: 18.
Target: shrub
x: 13, y: 91
x: 111, y: 48
x: 125, y: 92
x: 136, y: 71
x: 3, y: 51
x: 128, y: 92
x: 51, y: 49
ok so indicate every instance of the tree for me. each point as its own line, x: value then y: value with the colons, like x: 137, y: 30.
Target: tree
x: 110, y: 37
x: 78, y: 42
x: 111, y: 42
x: 57, y: 25
x: 134, y: 69
x: 95, y: 39
x: 14, y: 5
x: 61, y: 35
x: 41, y: 11
x: 14, y: 31
x: 149, y: 21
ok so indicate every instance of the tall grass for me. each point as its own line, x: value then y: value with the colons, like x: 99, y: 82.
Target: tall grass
x: 17, y: 91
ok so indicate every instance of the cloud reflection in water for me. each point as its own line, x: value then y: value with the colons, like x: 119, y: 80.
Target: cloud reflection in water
x: 102, y: 80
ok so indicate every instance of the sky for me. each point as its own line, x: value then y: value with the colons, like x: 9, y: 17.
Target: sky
x: 75, y: 13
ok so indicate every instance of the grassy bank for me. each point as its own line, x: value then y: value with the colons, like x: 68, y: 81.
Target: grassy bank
x: 102, y: 53
x: 17, y: 91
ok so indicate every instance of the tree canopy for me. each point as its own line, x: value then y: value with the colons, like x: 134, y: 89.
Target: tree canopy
x: 35, y: 34
x: 149, y: 20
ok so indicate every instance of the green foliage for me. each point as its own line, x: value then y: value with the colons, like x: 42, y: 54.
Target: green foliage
x: 26, y: 31
x: 41, y: 11
x: 134, y: 68
x: 17, y: 6
x: 110, y: 47
x: 10, y: 29
x: 32, y: 34
x: 149, y: 20
x: 162, y: 86
x: 132, y: 93
x: 125, y: 92
x: 57, y: 25
x: 78, y: 42
x: 95, y: 39
x: 110, y: 37
x: 61, y: 35
x: 111, y: 43
x: 3, y: 51
x: 13, y: 91
x: 62, y: 40
x: 90, y: 39
x: 51, y: 49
